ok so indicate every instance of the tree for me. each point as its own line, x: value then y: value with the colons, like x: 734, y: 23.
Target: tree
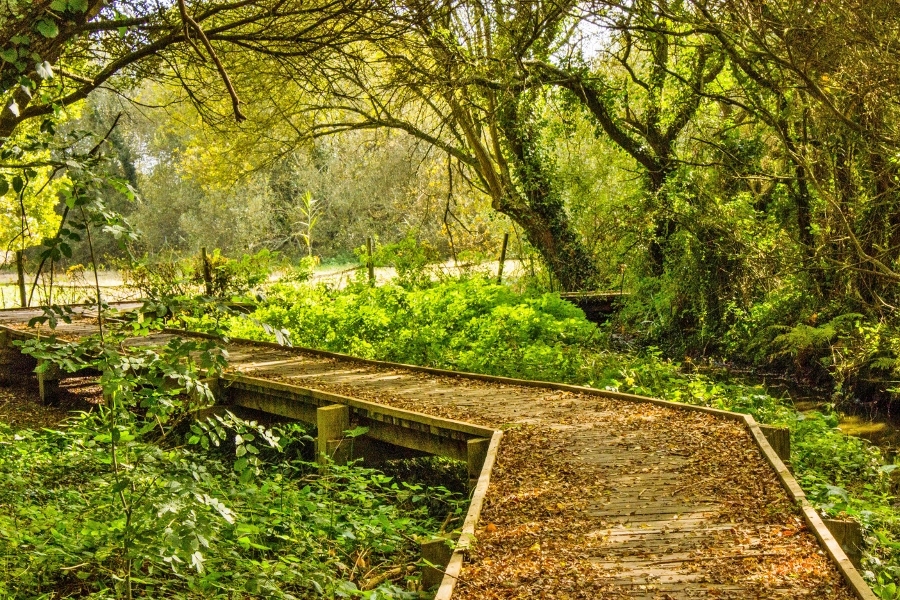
x: 56, y: 52
x: 446, y: 75
x: 823, y: 78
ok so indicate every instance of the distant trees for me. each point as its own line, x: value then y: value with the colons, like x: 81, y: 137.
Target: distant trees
x: 760, y: 139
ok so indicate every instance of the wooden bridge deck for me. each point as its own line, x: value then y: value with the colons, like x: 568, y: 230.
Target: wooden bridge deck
x: 599, y: 498
x: 595, y: 497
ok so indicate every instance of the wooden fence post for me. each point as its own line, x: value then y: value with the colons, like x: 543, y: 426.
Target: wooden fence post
x: 502, y: 258
x: 331, y: 422
x: 370, y: 261
x: 476, y: 452
x: 48, y: 382
x: 780, y: 440
x: 20, y: 268
x: 437, y: 552
x: 849, y: 536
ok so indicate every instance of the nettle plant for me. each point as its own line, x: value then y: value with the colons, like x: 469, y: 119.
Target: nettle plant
x: 147, y: 393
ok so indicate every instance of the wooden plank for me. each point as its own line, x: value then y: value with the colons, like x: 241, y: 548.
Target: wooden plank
x: 813, y: 520
x: 467, y: 536
x: 363, y: 408
x: 407, y: 429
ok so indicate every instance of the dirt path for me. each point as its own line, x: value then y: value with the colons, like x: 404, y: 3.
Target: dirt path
x: 599, y: 498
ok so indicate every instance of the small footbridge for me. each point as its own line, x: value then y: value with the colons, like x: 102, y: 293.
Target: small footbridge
x: 576, y: 492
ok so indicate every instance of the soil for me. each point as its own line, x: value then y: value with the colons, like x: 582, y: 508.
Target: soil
x: 21, y: 408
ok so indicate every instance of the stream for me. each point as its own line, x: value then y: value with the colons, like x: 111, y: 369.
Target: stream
x: 879, y: 429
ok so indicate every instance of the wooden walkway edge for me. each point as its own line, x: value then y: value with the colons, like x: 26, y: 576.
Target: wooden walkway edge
x: 395, y: 416
x: 828, y: 542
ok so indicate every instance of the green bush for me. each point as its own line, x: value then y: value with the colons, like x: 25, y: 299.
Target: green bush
x: 470, y: 325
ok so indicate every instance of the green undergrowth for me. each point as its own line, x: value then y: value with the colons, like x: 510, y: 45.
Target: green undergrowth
x: 141, y: 498
x: 198, y: 528
x: 475, y: 325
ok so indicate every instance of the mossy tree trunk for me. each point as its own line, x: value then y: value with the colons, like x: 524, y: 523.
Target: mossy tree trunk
x: 534, y: 202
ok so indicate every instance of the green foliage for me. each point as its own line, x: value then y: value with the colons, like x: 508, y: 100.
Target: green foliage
x: 198, y: 529
x: 409, y: 257
x: 752, y: 330
x: 116, y: 504
x: 471, y: 325
x: 161, y: 276
x: 231, y: 277
x: 168, y: 276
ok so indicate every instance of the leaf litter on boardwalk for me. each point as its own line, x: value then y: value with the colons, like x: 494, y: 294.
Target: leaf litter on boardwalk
x: 545, y: 531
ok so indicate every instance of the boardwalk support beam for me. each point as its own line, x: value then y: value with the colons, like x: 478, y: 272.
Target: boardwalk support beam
x: 437, y: 552
x: 780, y: 440
x: 13, y: 364
x: 332, y: 421
x: 48, y: 376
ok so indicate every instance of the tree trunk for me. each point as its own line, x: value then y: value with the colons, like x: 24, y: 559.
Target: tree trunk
x: 665, y: 225
x: 550, y: 232
x: 535, y: 203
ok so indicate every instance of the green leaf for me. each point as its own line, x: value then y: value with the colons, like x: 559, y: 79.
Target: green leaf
x: 59, y: 5
x: 18, y: 184
x: 121, y: 485
x: 47, y: 28
x: 4, y: 186
x: 9, y: 55
x: 240, y: 451
x: 356, y: 432
x: 78, y: 6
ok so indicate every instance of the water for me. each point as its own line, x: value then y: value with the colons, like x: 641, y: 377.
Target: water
x: 879, y: 429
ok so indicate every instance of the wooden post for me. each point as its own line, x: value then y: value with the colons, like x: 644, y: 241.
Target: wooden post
x: 476, y: 452
x: 370, y: 261
x: 332, y: 421
x: 502, y: 258
x: 895, y: 481
x: 20, y: 268
x: 849, y: 536
x: 48, y: 382
x: 207, y: 273
x: 780, y: 440
x: 437, y: 552
x: 10, y: 359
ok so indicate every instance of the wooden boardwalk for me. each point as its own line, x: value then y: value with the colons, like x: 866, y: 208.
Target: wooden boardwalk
x: 595, y: 497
